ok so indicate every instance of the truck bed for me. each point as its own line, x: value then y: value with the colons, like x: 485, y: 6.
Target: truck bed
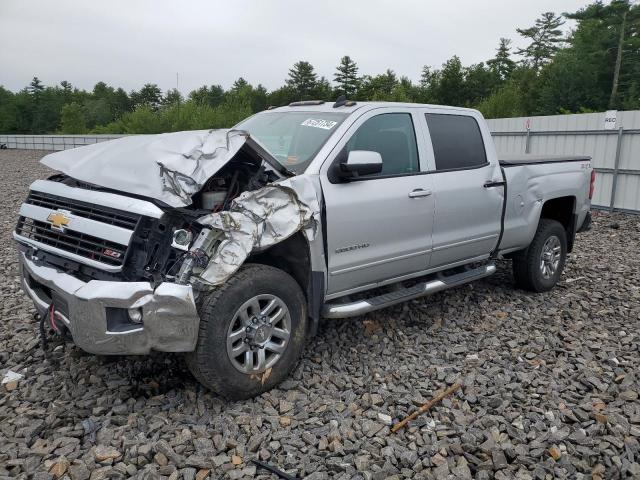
x: 531, y: 179
x: 534, y: 159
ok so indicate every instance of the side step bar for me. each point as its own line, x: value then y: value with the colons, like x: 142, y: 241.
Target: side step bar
x: 441, y: 282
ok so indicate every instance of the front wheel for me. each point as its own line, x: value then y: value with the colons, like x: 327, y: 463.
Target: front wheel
x: 539, y: 266
x: 252, y: 331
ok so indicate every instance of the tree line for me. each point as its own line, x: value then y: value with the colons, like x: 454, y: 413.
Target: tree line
x: 593, y: 68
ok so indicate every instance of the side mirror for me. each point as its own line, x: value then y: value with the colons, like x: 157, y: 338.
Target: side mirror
x: 361, y: 162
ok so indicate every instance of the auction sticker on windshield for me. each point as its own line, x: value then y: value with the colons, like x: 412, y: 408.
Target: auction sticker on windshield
x: 319, y: 123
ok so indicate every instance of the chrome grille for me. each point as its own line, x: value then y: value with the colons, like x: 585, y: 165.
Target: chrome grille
x: 87, y: 210
x: 94, y: 234
x: 77, y: 243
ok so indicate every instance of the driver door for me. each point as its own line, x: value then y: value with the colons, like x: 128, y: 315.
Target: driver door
x: 378, y: 227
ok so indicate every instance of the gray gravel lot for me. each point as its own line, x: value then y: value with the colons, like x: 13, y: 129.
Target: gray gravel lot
x: 551, y: 385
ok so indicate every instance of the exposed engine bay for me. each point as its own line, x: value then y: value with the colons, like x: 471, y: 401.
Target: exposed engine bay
x: 241, y: 174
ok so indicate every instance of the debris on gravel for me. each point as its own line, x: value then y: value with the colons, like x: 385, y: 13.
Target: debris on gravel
x: 551, y: 384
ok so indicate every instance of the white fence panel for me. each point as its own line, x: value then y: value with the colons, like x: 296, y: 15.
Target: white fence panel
x: 52, y: 142
x: 615, y: 153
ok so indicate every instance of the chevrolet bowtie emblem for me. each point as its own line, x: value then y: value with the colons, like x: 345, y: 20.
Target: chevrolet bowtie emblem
x: 58, y: 220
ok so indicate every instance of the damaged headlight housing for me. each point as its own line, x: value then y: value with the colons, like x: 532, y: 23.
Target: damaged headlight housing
x: 135, y: 314
x: 181, y: 239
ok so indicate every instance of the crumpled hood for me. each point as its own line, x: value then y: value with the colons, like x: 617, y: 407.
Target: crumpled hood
x: 169, y: 167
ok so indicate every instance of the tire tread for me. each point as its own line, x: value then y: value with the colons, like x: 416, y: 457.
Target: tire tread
x: 525, y: 263
x: 203, y: 371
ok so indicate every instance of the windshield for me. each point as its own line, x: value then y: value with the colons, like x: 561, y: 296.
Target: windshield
x: 293, y: 138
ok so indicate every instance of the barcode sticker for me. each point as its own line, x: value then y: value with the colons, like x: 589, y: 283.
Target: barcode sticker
x: 318, y: 123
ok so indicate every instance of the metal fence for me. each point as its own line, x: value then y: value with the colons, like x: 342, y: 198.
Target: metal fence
x: 615, y: 152
x: 52, y: 142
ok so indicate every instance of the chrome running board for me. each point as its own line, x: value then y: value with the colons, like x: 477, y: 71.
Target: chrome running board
x: 437, y: 284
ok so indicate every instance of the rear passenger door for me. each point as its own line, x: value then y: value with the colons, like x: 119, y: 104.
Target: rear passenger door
x: 468, y: 188
x: 378, y: 226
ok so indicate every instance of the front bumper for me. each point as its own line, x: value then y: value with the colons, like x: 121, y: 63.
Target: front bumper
x: 96, y: 312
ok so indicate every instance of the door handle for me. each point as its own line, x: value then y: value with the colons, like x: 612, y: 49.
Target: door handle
x: 493, y: 183
x: 419, y: 192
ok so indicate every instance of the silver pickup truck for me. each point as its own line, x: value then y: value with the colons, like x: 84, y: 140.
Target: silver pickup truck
x: 231, y: 245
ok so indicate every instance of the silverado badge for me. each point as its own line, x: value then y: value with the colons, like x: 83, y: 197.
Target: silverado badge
x: 58, y: 220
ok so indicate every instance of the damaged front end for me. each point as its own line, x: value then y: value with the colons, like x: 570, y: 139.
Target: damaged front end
x: 254, y: 221
x: 118, y: 247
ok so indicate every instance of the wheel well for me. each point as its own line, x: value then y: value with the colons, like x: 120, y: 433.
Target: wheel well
x: 561, y: 209
x: 290, y: 255
x: 293, y: 256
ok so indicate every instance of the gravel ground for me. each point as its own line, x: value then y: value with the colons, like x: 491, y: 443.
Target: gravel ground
x: 550, y: 385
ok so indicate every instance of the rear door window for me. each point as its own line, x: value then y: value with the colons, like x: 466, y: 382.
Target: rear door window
x: 457, y: 141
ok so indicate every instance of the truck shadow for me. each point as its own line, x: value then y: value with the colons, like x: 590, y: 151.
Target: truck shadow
x: 160, y: 374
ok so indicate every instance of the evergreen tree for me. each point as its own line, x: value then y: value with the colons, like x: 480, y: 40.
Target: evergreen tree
x: 239, y: 84
x: 35, y: 88
x: 120, y: 103
x: 505, y: 102
x: 378, y: 88
x: 302, y: 80
x: 172, y: 97
x: 619, y: 26
x: 72, y: 118
x: 428, y: 83
x: 322, y: 90
x: 450, y: 87
x: 479, y: 83
x: 282, y: 96
x: 427, y: 77
x: 545, y: 37
x: 37, y: 111
x: 102, y: 90
x: 502, y: 63
x: 405, y: 91
x: 346, y: 77
x: 259, y: 99
x: 212, y: 95
x: 149, y: 95
x: 600, y: 68
x: 8, y: 111
x: 67, y: 90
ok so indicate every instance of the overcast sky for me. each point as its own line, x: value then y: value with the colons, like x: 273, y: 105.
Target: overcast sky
x: 131, y: 42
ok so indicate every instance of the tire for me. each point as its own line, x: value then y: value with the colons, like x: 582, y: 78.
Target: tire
x: 228, y: 324
x: 529, y: 270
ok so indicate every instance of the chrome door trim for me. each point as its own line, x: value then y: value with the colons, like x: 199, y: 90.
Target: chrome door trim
x: 464, y: 242
x: 379, y: 262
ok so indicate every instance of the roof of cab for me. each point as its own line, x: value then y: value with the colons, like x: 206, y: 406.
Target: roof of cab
x: 328, y: 107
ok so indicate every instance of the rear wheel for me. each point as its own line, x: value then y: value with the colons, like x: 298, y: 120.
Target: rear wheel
x: 539, y: 267
x: 252, y: 331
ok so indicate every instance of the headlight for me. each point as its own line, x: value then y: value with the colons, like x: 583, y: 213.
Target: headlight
x: 182, y: 239
x: 135, y: 314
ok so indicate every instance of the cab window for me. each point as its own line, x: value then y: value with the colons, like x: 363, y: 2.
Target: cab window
x: 391, y: 135
x: 457, y: 141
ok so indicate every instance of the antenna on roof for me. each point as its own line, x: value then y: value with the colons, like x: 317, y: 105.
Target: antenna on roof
x: 342, y: 101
